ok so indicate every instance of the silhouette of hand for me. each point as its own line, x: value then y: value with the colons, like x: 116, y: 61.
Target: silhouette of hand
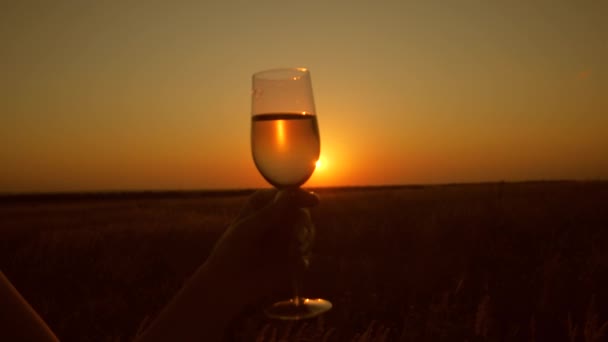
x: 270, y: 237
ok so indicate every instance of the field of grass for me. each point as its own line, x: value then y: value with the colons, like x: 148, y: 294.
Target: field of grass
x: 477, y: 262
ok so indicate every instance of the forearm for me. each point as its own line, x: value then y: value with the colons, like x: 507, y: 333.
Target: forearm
x: 18, y: 320
x: 200, y: 311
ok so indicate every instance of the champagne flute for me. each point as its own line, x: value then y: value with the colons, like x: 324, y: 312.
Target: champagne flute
x: 285, y: 145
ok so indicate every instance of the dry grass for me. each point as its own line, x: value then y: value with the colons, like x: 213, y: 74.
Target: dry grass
x: 487, y: 262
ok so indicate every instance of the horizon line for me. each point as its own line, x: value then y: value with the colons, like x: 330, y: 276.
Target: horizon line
x: 135, y: 193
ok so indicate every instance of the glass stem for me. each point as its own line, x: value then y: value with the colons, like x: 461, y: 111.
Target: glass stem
x: 296, y: 289
x: 301, y: 250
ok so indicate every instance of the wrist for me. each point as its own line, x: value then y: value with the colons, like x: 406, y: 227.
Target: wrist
x: 201, y: 310
x: 225, y: 284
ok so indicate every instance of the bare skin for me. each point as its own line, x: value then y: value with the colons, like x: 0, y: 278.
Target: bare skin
x: 18, y: 320
x: 251, y: 260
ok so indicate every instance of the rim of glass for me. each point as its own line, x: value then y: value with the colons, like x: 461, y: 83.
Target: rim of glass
x: 278, y: 74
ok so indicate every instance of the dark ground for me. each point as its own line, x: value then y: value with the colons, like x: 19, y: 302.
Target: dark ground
x: 478, y: 262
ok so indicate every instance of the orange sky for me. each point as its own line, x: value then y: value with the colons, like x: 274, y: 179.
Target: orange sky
x: 117, y: 96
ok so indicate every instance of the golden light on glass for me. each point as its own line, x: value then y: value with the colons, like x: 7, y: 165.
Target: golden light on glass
x: 280, y: 133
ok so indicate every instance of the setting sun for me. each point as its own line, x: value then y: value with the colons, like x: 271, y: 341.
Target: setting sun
x: 180, y: 117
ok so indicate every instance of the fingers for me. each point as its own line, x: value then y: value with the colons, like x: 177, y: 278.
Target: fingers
x: 281, y: 211
x: 261, y: 198
x: 285, y: 207
x: 271, y: 209
x: 257, y: 201
x: 297, y: 198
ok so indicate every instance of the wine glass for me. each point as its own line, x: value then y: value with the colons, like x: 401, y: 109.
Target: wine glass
x: 285, y: 145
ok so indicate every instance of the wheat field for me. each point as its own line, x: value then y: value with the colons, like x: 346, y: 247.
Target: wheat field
x: 464, y: 262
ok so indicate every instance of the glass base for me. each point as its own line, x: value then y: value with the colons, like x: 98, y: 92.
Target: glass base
x: 296, y: 309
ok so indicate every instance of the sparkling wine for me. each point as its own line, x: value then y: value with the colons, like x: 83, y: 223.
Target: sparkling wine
x: 285, y: 147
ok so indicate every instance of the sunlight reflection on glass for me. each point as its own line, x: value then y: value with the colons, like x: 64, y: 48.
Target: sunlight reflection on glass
x: 281, y: 133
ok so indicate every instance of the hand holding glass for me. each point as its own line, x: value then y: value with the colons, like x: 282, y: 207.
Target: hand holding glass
x: 285, y: 145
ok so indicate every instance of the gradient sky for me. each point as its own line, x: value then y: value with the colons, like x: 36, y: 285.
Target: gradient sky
x: 113, y: 95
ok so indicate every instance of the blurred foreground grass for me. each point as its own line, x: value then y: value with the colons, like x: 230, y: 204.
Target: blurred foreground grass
x: 478, y: 262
